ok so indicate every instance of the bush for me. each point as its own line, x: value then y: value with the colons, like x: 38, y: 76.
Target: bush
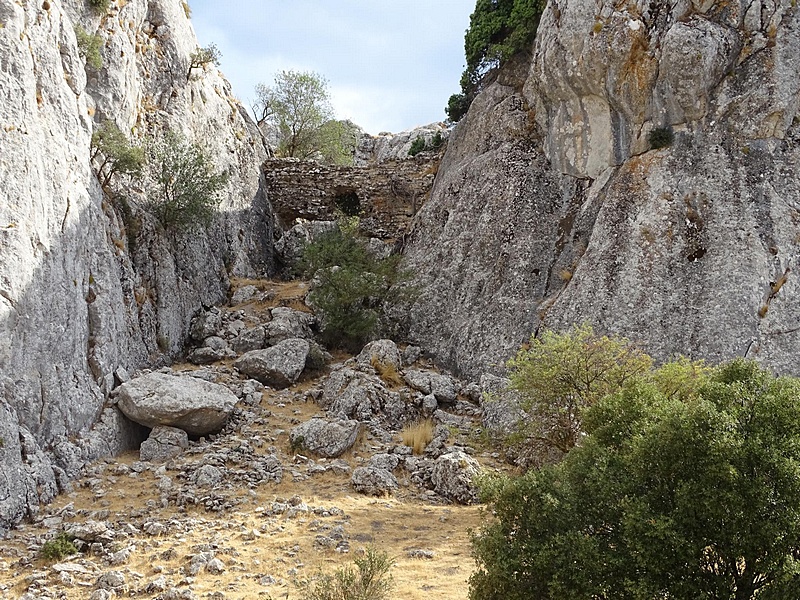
x: 369, y: 580
x: 674, y: 493
x: 417, y: 146
x: 89, y: 46
x: 118, y: 155
x: 203, y: 56
x: 58, y: 548
x: 558, y: 377
x: 101, y: 6
x: 351, y: 287
x: 187, y: 184
x: 660, y: 137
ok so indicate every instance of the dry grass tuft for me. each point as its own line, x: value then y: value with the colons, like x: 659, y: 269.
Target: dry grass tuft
x: 418, y: 435
x: 387, y: 372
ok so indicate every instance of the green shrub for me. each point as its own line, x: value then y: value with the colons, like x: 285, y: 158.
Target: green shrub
x: 369, y: 580
x: 101, y: 6
x: 437, y: 140
x: 351, y: 288
x: 118, y: 155
x: 89, y: 46
x: 417, y: 146
x: 187, y: 183
x: 673, y: 493
x: 58, y: 548
x: 660, y: 137
x: 558, y: 377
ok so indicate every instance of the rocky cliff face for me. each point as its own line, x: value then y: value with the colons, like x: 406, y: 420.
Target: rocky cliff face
x: 551, y: 209
x: 90, y: 285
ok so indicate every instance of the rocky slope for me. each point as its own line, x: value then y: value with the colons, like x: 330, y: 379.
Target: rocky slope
x: 550, y: 208
x: 91, y: 286
x: 300, y: 478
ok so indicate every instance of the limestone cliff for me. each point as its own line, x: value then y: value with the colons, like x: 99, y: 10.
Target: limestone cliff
x: 550, y: 208
x: 90, y: 285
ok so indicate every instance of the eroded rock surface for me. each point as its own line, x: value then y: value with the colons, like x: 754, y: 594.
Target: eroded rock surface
x: 551, y: 209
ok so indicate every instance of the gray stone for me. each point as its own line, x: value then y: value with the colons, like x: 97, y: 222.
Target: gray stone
x: 288, y: 323
x: 388, y: 462
x: 384, y: 352
x: 373, y: 481
x: 111, y: 580
x: 278, y: 366
x: 206, y: 324
x: 163, y: 444
x: 207, y: 356
x: 198, y: 407
x: 587, y: 223
x: 244, y: 294
x: 429, y: 404
x: 207, y: 476
x: 249, y: 339
x: 501, y: 411
x: 453, y: 477
x: 325, y: 438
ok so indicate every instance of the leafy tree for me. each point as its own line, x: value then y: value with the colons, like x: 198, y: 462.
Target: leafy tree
x: 558, y: 376
x: 498, y: 29
x: 187, y: 182
x: 337, y: 142
x: 117, y: 154
x: 673, y: 494
x: 297, y: 107
x: 89, y: 46
x: 351, y: 287
x: 203, y: 56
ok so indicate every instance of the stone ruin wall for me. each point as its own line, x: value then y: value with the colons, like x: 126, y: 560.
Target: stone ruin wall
x: 386, y: 196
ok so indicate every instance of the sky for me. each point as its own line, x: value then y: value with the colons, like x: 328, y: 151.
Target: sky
x: 391, y: 65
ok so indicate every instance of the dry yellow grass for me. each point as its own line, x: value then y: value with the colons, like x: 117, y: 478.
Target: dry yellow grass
x: 387, y: 372
x: 418, y: 435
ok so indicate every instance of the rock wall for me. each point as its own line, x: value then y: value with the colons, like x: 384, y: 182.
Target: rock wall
x: 550, y: 209
x: 90, y: 284
x: 386, y: 194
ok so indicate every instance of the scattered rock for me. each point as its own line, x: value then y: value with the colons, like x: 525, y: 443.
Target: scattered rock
x: 325, y: 438
x: 288, y: 323
x: 373, y: 481
x: 278, y: 366
x: 163, y: 443
x: 198, y: 407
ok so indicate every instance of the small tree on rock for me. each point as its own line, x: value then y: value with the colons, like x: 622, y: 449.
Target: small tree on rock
x: 187, y: 184
x: 115, y: 153
x: 203, y: 56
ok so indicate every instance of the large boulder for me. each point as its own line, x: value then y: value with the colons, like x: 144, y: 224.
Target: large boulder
x: 279, y: 366
x: 325, y: 438
x: 198, y: 407
x: 453, y: 477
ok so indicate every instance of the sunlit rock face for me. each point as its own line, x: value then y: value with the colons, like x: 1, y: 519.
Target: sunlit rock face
x: 550, y: 207
x: 89, y: 281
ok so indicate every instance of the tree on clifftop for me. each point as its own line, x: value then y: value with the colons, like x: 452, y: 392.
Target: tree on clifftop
x: 498, y: 29
x: 298, y: 109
